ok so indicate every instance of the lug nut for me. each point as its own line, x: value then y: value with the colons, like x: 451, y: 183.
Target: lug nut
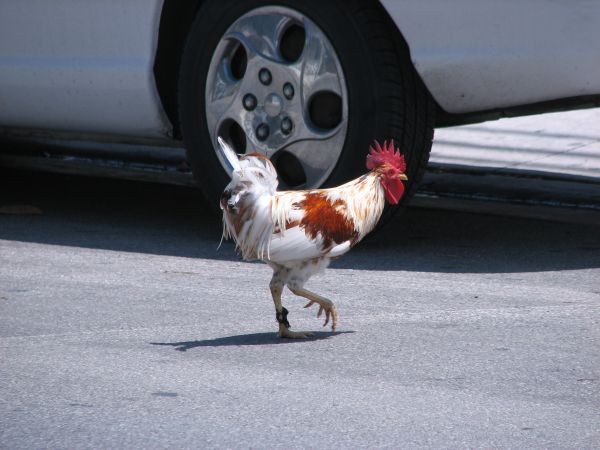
x: 249, y: 102
x: 288, y: 91
x: 262, y: 131
x: 265, y: 76
x: 286, y: 125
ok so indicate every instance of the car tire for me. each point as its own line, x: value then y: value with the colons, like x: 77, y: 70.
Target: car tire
x: 384, y: 97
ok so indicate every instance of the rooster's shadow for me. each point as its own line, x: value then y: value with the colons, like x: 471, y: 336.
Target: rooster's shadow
x: 249, y: 339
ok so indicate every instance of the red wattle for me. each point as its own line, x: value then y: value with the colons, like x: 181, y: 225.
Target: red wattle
x: 393, y: 189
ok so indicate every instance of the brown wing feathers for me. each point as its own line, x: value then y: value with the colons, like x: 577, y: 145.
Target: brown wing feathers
x: 327, y: 218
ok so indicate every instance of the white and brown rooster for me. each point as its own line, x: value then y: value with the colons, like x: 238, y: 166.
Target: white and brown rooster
x: 298, y: 233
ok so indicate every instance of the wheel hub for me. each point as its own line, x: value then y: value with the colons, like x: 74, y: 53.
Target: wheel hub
x: 273, y: 105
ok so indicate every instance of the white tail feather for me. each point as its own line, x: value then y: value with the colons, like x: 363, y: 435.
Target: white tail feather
x: 228, y: 155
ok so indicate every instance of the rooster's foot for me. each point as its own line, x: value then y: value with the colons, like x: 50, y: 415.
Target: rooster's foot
x: 330, y: 311
x: 285, y: 332
x: 284, y: 327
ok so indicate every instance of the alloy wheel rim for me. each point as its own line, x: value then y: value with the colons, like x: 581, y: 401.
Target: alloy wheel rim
x: 275, y: 86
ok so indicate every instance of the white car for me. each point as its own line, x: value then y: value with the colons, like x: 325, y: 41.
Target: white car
x: 310, y: 83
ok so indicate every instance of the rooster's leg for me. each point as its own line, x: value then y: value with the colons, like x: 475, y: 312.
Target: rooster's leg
x: 324, y: 304
x: 281, y: 313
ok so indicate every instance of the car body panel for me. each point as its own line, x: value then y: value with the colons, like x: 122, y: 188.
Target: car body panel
x: 477, y: 55
x: 82, y: 66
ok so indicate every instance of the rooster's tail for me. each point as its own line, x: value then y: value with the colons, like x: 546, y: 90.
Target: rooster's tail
x: 228, y: 156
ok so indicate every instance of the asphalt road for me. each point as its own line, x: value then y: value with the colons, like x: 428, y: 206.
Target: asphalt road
x: 123, y: 326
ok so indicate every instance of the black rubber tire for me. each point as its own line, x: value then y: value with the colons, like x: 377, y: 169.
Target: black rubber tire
x: 386, y: 98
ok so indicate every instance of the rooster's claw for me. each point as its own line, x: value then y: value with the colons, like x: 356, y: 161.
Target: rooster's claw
x: 330, y: 313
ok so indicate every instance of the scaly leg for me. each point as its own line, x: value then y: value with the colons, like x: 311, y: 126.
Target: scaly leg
x: 324, y: 304
x: 281, y: 313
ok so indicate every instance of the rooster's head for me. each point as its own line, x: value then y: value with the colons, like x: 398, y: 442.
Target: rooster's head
x: 388, y: 163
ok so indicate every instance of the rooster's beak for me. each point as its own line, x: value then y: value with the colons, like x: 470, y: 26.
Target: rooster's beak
x: 403, y: 177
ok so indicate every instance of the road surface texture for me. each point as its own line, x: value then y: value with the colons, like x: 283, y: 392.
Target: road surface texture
x: 123, y: 326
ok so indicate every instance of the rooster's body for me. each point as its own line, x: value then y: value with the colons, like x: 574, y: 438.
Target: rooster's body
x: 297, y: 233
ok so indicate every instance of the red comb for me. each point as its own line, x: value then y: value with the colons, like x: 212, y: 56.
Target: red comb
x: 386, y: 154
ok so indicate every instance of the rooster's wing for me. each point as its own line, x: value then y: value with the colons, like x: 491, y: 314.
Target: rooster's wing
x: 309, y: 224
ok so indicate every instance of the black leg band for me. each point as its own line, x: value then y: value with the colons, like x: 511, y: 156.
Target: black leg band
x: 281, y: 317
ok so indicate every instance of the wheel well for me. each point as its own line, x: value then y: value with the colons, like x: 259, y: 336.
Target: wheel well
x: 175, y: 21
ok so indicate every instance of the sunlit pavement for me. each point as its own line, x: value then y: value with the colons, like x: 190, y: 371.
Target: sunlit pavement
x: 544, y: 166
x: 566, y: 143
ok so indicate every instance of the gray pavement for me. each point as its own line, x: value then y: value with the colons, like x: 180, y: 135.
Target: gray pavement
x: 122, y: 326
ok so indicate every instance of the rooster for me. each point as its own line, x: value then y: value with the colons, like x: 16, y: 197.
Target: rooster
x: 297, y: 233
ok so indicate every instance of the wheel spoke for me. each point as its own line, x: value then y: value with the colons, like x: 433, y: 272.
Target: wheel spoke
x: 260, y: 33
x: 319, y: 66
x: 223, y: 93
